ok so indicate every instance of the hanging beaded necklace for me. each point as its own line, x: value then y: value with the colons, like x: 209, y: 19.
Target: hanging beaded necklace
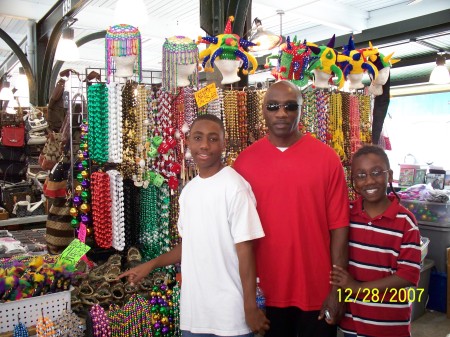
x: 141, y: 134
x: 100, y: 322
x: 252, y: 116
x: 261, y: 122
x: 115, y: 122
x: 242, y: 120
x: 231, y: 115
x: 98, y: 129
x: 365, y: 126
x: 131, y: 213
x: 101, y: 209
x: 20, y: 330
x: 355, y: 122
x: 322, y: 115
x: 346, y: 126
x: 45, y: 327
x: 337, y: 140
x: 309, y: 113
x: 128, y: 168
x: 117, y: 210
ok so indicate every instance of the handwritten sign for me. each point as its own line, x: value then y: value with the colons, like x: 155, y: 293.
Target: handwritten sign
x: 206, y: 95
x: 73, y: 253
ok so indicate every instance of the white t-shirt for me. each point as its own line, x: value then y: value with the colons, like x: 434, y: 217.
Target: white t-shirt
x: 216, y: 213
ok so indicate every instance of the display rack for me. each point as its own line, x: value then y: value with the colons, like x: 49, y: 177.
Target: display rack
x: 23, y: 220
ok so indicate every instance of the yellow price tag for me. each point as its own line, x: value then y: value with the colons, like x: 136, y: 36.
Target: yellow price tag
x: 73, y: 253
x: 206, y: 95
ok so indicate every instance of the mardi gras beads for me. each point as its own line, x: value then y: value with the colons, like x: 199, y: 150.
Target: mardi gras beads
x: 365, y: 123
x: 354, y: 124
x: 117, y: 211
x: 131, y: 213
x: 128, y: 168
x: 337, y: 135
x: 322, y: 115
x: 242, y: 119
x: 101, y: 209
x: 252, y: 117
x: 100, y: 322
x: 346, y: 126
x: 162, y: 310
x: 98, y: 128
x: 115, y: 122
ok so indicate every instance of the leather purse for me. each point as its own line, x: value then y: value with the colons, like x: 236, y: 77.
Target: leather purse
x: 13, y: 135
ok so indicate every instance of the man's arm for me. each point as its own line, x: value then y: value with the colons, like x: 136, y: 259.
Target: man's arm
x: 136, y: 274
x: 254, y: 317
x: 339, y: 257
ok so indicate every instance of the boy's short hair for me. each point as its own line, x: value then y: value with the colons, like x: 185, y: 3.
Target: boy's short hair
x: 372, y: 149
x: 209, y: 117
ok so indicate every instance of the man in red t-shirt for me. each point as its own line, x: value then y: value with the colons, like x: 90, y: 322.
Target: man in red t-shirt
x: 302, y: 201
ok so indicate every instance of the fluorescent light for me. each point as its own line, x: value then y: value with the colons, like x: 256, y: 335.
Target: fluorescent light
x: 67, y: 49
x: 440, y: 74
x: 6, y: 93
x: 131, y: 12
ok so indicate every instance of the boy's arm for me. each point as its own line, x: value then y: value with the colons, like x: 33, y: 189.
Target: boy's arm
x: 136, y: 274
x: 341, y: 277
x: 254, y: 317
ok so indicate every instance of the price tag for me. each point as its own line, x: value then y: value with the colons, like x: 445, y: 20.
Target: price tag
x: 82, y: 232
x: 73, y: 253
x: 206, y: 95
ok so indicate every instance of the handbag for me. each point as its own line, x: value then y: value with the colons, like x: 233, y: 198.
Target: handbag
x: 52, y: 151
x: 59, y: 232
x: 27, y: 208
x: 16, y: 154
x: 56, y: 109
x: 8, y: 119
x: 13, y: 135
x: 55, y: 186
x: 13, y: 193
x: 35, y: 121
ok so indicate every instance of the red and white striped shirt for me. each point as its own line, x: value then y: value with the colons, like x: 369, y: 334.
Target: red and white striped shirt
x: 379, y: 247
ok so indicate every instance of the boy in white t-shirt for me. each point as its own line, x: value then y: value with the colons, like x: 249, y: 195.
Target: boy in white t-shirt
x: 217, y: 222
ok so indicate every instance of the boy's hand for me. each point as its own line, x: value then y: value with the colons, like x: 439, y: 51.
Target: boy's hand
x: 340, y: 277
x: 136, y: 274
x: 257, y: 321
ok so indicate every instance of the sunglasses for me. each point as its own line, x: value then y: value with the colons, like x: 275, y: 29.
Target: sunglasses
x: 288, y: 106
x: 374, y: 174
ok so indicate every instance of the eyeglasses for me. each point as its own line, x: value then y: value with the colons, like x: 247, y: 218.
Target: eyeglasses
x: 374, y: 174
x: 276, y: 106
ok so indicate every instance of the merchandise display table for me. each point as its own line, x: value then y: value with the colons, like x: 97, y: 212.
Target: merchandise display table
x: 23, y: 220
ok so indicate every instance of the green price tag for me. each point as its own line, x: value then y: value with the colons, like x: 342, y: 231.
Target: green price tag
x: 73, y: 253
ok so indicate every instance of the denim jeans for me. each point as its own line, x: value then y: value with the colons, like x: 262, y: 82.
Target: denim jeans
x: 185, y: 333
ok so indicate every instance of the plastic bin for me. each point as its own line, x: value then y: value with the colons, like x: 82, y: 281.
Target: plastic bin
x: 438, y: 291
x: 29, y: 309
x: 418, y: 307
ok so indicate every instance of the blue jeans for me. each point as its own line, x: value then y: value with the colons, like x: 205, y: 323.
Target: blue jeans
x: 185, y: 333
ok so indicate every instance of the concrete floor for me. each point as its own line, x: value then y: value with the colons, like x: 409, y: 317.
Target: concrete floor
x: 431, y: 324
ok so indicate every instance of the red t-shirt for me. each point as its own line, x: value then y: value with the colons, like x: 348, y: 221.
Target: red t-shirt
x: 386, y: 245
x: 301, y: 195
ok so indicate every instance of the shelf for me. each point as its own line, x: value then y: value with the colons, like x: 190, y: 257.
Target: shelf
x: 23, y: 220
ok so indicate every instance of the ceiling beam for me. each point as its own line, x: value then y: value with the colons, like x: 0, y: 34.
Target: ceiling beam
x: 405, y: 30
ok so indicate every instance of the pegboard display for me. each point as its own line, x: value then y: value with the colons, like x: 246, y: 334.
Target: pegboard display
x: 30, y: 309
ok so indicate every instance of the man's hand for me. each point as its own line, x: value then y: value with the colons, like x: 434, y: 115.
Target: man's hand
x: 136, y: 274
x: 335, y: 308
x: 257, y: 321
